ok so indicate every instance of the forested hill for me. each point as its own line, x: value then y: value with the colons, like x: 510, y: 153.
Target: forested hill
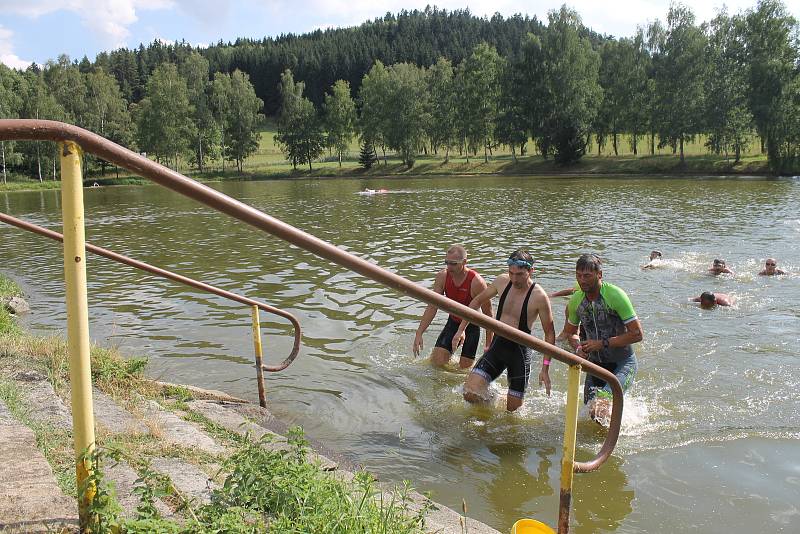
x: 322, y: 57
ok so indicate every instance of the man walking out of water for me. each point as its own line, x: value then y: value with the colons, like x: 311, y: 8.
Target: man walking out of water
x: 462, y: 284
x: 521, y: 301
x: 610, y: 325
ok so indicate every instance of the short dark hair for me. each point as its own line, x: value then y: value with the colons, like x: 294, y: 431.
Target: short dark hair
x: 708, y: 296
x: 656, y: 252
x: 590, y: 262
x: 521, y: 255
x: 718, y: 261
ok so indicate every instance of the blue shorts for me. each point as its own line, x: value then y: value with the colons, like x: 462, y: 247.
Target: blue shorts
x: 624, y: 370
x: 506, y: 355
x: 472, y: 336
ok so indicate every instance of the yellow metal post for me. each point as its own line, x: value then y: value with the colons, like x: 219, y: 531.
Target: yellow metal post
x: 568, y: 457
x: 262, y: 399
x: 80, y: 373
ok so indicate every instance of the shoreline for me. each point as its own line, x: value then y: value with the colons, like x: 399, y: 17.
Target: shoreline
x: 656, y: 167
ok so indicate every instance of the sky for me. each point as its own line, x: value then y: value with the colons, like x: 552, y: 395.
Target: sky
x: 38, y: 30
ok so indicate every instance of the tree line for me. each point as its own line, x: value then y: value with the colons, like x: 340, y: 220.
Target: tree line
x: 435, y: 81
x: 729, y: 79
x: 183, y: 114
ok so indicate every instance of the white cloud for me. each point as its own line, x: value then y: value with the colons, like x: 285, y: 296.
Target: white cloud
x: 109, y: 19
x: 7, y: 55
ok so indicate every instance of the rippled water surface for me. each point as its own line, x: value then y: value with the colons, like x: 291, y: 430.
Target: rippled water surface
x: 711, y: 430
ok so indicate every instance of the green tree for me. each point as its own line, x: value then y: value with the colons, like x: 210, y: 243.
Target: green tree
x: 66, y: 83
x: 572, y: 93
x: 164, y: 117
x: 106, y: 112
x: 479, y: 90
x: 10, y: 105
x: 727, y: 117
x: 772, y: 56
x: 244, y: 119
x: 375, y: 116
x: 406, y: 98
x: 38, y: 103
x: 220, y: 108
x: 300, y: 133
x: 440, y: 128
x: 340, y: 117
x: 195, y: 70
x: 680, y: 71
x: 512, y: 122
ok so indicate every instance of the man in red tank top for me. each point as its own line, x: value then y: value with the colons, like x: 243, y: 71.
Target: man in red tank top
x: 462, y: 284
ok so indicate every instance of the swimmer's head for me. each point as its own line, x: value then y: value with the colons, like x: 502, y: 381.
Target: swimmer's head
x: 655, y: 254
x: 521, y: 258
x: 589, y: 262
x: 707, y: 300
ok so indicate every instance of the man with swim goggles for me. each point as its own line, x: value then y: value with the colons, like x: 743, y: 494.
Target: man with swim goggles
x: 521, y: 302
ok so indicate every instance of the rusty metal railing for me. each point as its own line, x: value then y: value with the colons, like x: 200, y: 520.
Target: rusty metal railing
x: 24, y: 225
x: 26, y: 129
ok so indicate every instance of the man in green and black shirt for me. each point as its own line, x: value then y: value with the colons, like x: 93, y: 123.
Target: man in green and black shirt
x: 610, y: 327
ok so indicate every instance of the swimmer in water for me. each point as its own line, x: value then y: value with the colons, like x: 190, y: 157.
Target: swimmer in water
x: 655, y: 260
x: 771, y: 268
x: 719, y: 267
x: 709, y: 299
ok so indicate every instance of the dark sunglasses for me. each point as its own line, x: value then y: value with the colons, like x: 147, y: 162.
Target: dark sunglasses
x: 453, y: 262
x: 770, y: 264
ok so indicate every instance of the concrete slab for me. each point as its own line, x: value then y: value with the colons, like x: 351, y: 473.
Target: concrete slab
x: 124, y: 479
x: 114, y: 418
x: 176, y: 431
x: 187, y: 478
x: 30, y: 499
x: 42, y: 401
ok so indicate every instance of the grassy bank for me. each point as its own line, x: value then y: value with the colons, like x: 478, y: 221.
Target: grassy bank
x: 269, y: 163
x: 261, y: 489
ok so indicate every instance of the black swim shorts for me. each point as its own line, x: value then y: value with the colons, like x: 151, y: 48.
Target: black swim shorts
x: 505, y: 355
x: 471, y: 338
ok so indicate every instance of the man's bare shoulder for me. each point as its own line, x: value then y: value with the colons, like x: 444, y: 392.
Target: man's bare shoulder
x: 501, y: 281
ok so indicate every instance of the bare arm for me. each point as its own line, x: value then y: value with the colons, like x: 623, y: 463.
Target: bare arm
x: 562, y: 293
x: 478, y: 286
x: 429, y: 314
x: 545, y: 313
x: 477, y: 302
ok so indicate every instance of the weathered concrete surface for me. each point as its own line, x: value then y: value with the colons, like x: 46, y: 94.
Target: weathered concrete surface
x: 30, y: 499
x: 187, y: 478
x: 113, y: 417
x: 124, y: 479
x: 227, y: 416
x: 176, y: 431
x: 41, y: 399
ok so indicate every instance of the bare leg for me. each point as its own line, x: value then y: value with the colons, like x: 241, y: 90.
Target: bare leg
x: 476, y: 388
x: 439, y: 356
x: 512, y: 403
x: 600, y: 410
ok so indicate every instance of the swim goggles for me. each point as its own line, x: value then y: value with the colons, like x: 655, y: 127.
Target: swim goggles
x: 520, y: 263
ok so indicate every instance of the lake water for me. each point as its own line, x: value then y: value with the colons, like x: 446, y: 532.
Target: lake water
x: 711, y: 429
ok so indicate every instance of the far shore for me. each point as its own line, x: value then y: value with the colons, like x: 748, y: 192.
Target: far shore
x: 659, y: 166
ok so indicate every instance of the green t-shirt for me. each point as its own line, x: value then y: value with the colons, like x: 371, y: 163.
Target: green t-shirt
x: 602, y: 319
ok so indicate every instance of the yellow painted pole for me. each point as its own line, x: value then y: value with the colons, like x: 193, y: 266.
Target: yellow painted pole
x: 262, y: 399
x: 80, y: 372
x: 568, y: 457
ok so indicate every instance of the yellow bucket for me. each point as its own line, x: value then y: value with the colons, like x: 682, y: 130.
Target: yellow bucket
x: 531, y: 526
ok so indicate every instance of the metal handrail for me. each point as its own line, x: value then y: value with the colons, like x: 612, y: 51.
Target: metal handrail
x: 29, y: 129
x: 19, y: 223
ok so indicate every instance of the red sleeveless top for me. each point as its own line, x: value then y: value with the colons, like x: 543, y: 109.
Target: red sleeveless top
x: 460, y: 294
